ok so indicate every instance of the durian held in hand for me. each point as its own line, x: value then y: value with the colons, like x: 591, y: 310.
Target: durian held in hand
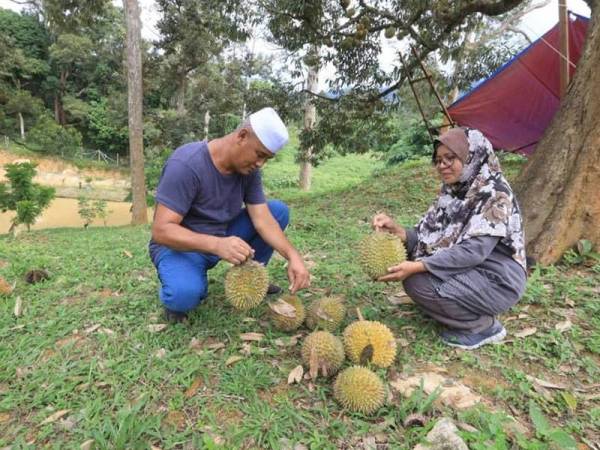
x: 246, y: 285
x: 369, y: 342
x: 326, y: 313
x: 359, y: 389
x: 287, y: 313
x: 379, y: 251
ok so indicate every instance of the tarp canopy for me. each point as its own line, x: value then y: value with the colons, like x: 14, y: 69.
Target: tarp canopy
x: 515, y: 105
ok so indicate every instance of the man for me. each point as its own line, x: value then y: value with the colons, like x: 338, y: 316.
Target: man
x: 199, y: 218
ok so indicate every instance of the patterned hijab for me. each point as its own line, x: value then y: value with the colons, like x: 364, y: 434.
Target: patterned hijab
x: 481, y: 203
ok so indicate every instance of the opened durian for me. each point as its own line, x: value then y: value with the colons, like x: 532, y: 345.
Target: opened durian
x: 379, y: 251
x: 246, y: 285
x: 367, y: 341
x: 358, y: 389
x: 326, y: 313
x: 322, y: 353
x: 287, y: 312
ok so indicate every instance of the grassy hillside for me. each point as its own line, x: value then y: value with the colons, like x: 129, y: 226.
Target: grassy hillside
x: 85, y: 362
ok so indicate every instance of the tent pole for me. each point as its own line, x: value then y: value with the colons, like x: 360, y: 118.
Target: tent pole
x: 563, y: 21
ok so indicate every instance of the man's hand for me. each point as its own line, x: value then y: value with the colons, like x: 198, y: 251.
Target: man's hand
x: 297, y: 274
x: 403, y: 270
x: 383, y: 222
x: 233, y: 249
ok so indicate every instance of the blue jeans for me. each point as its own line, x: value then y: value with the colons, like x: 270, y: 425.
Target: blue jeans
x: 183, y: 274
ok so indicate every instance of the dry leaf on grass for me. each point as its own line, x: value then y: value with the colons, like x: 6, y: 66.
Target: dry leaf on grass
x: 563, y: 326
x: 127, y: 253
x: 283, y: 308
x: 5, y: 288
x: 570, y: 303
x: 233, y: 359
x: 252, y: 336
x: 54, y: 417
x: 400, y: 298
x: 160, y: 353
x: 452, y: 394
x: 526, y: 332
x: 4, y: 417
x: 106, y: 331
x: 18, y: 307
x: 87, y: 445
x: 156, y: 327
x: 196, y: 384
x: 295, y: 375
x: 175, y: 419
x: 91, y: 329
x: 546, y: 384
x: 216, y: 346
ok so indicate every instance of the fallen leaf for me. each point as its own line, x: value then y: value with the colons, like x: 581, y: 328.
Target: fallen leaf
x: 283, y: 308
x: 160, y: 353
x: 154, y: 447
x: 400, y: 298
x: 563, y: 326
x: 546, y: 384
x: 570, y: 400
x: 522, y: 316
x: 92, y: 328
x: 127, y: 253
x: 196, y: 384
x: 366, y: 355
x: 526, y: 332
x: 233, y: 359
x: 216, y: 346
x: 246, y: 349
x: 156, y: 327
x: 569, y: 302
x: 107, y: 331
x: 5, y: 288
x: 54, y: 417
x: 402, y: 342
x: 248, y: 319
x: 451, y: 393
x: 87, y: 445
x: 295, y: 375
x: 18, y: 307
x: 175, y: 419
x: 4, y: 417
x: 252, y: 336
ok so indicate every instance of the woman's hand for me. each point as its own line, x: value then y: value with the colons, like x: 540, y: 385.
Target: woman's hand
x: 383, y: 222
x: 403, y: 270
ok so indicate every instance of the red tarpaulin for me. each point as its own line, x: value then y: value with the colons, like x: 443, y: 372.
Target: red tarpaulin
x: 515, y: 105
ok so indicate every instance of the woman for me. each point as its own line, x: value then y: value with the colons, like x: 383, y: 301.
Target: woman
x: 467, y: 255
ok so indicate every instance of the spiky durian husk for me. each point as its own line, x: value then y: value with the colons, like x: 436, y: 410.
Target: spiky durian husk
x: 359, y: 389
x: 285, y: 323
x: 378, y: 251
x: 246, y: 285
x: 326, y: 313
x: 327, y: 348
x: 370, y: 341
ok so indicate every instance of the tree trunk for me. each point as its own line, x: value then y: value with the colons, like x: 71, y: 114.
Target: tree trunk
x: 180, y: 100
x: 310, y: 118
x: 22, y: 125
x: 206, y: 124
x: 558, y: 187
x: 134, y: 101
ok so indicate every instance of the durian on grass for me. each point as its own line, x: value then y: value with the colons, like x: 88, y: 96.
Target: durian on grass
x: 326, y: 313
x: 379, y: 251
x: 287, y: 313
x: 246, y: 285
x: 359, y: 389
x: 367, y: 341
x: 322, y: 353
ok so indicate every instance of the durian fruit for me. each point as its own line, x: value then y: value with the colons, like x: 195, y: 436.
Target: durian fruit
x: 378, y: 251
x: 326, y: 313
x: 359, y: 389
x: 246, y: 285
x: 287, y: 313
x: 389, y: 32
x: 323, y: 353
x: 368, y: 341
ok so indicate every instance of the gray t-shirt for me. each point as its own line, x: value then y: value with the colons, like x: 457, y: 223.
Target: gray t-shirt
x: 192, y: 186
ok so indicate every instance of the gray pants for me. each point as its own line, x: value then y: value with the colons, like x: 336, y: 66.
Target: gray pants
x: 468, y: 301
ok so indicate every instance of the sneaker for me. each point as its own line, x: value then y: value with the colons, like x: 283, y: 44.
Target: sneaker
x: 471, y: 341
x: 175, y: 316
x: 273, y: 289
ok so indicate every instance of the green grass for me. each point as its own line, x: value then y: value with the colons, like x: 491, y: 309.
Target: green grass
x: 126, y: 387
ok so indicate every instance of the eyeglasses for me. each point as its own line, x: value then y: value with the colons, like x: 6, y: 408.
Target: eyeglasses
x: 446, y: 161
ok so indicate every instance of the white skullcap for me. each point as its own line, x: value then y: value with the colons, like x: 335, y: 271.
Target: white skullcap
x: 269, y: 129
